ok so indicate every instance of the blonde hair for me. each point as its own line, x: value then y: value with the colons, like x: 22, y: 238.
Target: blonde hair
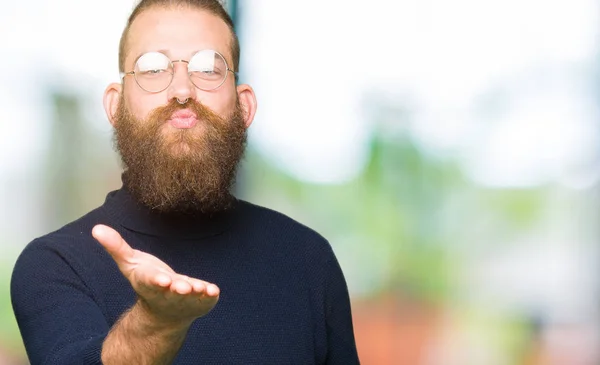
x: 214, y: 7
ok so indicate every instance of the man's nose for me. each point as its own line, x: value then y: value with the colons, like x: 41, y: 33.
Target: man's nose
x: 181, y: 87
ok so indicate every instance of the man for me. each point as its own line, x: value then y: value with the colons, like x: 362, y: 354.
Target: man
x: 172, y: 269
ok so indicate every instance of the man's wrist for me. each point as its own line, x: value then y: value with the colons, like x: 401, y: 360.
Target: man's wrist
x: 142, y: 337
x: 156, y: 323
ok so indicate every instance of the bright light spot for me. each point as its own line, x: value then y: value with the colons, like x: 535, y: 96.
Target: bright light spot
x: 535, y: 144
x: 310, y: 82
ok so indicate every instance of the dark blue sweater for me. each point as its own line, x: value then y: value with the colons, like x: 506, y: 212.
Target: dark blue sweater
x: 283, y: 298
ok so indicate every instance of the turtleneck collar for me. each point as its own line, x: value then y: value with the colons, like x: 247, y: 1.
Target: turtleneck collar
x: 129, y: 213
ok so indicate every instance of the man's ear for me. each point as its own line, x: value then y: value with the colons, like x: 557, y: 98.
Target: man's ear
x: 112, y: 96
x: 248, y: 102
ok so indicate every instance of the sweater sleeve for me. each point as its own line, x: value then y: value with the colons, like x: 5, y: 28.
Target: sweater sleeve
x: 59, y: 320
x: 341, y: 346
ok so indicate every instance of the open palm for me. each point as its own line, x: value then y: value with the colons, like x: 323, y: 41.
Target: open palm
x: 168, y: 296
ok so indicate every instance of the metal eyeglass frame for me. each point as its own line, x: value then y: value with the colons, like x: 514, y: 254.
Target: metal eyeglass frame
x: 235, y: 74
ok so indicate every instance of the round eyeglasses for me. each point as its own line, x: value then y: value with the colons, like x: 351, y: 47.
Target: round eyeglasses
x: 153, y: 72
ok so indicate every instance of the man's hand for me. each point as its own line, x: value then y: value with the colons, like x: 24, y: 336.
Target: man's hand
x: 168, y: 297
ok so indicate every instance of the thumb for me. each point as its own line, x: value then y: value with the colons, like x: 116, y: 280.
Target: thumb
x: 114, y: 244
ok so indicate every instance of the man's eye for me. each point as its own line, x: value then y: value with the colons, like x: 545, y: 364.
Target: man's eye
x: 152, y: 72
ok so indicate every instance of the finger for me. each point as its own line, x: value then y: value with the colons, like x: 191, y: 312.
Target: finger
x: 181, y: 286
x: 212, y: 290
x: 147, y: 278
x: 114, y: 244
x: 203, y: 287
x: 198, y: 286
x: 163, y: 280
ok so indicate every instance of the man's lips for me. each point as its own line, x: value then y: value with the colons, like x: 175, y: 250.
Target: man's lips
x: 183, y: 119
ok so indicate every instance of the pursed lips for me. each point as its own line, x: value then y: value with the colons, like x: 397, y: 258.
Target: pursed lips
x: 183, y: 119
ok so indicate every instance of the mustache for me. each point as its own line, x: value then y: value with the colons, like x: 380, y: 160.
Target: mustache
x: 203, y: 113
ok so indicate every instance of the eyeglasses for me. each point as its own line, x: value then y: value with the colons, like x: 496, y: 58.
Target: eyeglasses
x: 154, y: 71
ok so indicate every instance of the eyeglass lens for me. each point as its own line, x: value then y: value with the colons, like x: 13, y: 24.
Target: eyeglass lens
x: 154, y: 71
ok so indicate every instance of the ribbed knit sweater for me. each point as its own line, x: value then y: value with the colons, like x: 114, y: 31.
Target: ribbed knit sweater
x: 284, y: 299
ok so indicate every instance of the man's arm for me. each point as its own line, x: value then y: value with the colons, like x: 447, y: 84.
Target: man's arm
x: 61, y: 322
x: 341, y: 346
x: 137, y: 338
x: 58, y: 318
x: 154, y: 329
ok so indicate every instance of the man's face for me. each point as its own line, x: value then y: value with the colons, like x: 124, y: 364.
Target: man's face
x: 179, y: 157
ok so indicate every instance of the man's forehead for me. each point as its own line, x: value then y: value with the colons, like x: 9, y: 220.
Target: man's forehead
x: 178, y: 33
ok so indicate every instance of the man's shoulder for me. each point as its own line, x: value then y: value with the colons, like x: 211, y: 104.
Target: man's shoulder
x: 68, y: 250
x: 71, y: 235
x: 275, y: 221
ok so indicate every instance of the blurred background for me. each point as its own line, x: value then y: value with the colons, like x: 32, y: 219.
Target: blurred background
x: 449, y: 150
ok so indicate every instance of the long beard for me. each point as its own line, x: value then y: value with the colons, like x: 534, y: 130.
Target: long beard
x: 180, y: 171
